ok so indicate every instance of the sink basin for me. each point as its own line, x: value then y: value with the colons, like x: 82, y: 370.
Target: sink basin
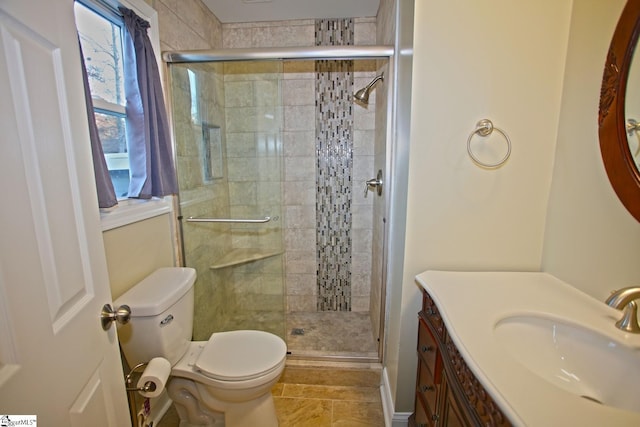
x: 576, y: 359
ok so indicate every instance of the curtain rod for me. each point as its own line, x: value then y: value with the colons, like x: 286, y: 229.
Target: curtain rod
x: 275, y: 53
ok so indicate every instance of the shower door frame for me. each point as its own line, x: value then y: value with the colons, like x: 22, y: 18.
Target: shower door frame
x: 302, y: 53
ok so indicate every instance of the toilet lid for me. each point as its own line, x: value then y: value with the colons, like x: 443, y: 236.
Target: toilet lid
x: 241, y: 355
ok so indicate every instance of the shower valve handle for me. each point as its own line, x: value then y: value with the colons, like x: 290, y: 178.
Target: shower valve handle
x: 374, y: 182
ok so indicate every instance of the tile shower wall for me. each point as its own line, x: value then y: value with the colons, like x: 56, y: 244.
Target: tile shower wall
x: 298, y: 139
x: 200, y: 197
x: 227, y: 125
x: 253, y: 117
x: 385, y: 28
x: 334, y: 168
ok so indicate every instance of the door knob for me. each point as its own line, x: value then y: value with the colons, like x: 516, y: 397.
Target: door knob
x: 108, y: 315
x: 374, y: 182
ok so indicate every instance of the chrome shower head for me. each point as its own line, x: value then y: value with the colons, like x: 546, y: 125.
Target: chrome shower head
x: 363, y: 94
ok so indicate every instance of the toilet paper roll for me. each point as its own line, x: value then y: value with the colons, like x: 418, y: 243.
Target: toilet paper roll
x: 155, y: 375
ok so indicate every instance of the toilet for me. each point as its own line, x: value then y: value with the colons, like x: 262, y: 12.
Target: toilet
x: 226, y: 380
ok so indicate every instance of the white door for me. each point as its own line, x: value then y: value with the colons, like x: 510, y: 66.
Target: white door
x: 56, y: 362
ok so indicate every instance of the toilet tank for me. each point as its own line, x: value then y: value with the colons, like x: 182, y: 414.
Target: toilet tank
x: 161, y: 316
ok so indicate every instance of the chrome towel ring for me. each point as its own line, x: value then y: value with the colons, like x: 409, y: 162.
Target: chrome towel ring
x: 484, y: 128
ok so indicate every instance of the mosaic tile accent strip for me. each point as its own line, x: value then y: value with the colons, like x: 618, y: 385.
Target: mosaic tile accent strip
x: 334, y: 165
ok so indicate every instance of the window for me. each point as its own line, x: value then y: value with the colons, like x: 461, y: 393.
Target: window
x: 100, y: 31
x: 101, y: 28
x: 193, y: 87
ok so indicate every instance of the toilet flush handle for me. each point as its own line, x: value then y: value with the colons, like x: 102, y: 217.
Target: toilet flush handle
x: 108, y: 315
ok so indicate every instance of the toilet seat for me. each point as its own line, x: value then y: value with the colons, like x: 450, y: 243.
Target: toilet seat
x: 241, y: 355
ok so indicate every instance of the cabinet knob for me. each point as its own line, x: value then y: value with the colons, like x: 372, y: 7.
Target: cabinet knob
x: 435, y: 417
x: 426, y: 388
x: 427, y: 348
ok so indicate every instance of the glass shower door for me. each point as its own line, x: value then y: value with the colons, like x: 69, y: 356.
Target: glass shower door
x: 228, y: 133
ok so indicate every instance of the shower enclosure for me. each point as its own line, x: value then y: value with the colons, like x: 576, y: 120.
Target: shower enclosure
x: 273, y: 155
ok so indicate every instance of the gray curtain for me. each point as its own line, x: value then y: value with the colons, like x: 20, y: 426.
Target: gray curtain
x: 104, y: 186
x: 150, y: 155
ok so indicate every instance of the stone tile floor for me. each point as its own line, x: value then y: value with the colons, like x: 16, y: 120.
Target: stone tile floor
x: 334, y: 333
x: 326, y: 333
x: 322, y: 397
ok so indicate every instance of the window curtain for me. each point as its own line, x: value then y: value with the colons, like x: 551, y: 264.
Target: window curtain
x: 104, y: 186
x: 150, y: 154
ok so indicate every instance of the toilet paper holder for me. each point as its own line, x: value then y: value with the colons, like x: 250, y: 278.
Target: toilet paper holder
x: 148, y: 386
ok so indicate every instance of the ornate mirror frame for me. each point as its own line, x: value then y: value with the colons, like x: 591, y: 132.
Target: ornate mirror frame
x: 618, y: 161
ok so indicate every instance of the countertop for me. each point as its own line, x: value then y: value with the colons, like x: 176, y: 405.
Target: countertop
x: 472, y: 303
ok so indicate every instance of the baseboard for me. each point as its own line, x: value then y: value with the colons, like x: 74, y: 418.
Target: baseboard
x: 159, y: 407
x: 400, y: 419
x: 391, y: 418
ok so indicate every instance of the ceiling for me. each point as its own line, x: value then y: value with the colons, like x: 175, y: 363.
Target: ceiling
x: 277, y: 10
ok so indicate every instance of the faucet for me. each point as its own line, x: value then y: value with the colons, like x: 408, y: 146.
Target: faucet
x: 625, y: 298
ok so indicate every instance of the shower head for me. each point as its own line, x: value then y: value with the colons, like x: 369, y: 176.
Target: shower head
x: 363, y: 94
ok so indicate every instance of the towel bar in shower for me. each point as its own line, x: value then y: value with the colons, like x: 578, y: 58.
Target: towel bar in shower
x: 231, y: 220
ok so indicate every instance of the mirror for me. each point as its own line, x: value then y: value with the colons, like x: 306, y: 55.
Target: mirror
x: 619, y: 133
x: 632, y: 110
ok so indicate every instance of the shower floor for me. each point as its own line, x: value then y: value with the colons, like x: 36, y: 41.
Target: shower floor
x: 340, y: 334
x: 331, y: 333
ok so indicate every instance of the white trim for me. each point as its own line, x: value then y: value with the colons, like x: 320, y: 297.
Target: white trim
x: 391, y: 418
x: 400, y: 419
x: 133, y: 210
x: 101, y: 104
x: 159, y: 407
x: 387, y: 400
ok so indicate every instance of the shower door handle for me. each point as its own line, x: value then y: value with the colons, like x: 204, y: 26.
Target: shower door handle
x: 231, y: 220
x: 374, y: 183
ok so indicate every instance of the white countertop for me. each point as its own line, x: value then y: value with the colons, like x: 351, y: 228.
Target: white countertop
x: 471, y: 304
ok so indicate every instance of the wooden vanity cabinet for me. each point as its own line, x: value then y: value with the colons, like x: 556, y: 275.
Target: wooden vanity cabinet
x: 447, y: 392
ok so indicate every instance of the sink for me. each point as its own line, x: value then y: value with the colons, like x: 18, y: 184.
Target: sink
x: 576, y: 359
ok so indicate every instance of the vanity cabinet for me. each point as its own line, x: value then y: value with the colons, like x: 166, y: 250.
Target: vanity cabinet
x: 447, y: 392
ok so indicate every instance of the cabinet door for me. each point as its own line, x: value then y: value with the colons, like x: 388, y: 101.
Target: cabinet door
x: 450, y: 413
x: 428, y: 349
x: 422, y: 416
x: 426, y: 386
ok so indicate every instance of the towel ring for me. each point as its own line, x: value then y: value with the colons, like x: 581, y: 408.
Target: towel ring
x: 484, y: 128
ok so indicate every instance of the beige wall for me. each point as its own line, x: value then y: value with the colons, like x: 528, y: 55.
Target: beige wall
x: 591, y: 241
x: 535, y: 70
x: 135, y: 250
x: 500, y: 60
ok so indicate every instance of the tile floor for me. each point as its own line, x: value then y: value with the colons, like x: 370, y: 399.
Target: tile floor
x: 333, y: 333
x: 311, y: 396
x: 326, y: 333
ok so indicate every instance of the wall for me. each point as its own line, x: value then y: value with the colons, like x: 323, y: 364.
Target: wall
x: 298, y: 147
x: 288, y: 33
x: 187, y: 24
x: 135, y: 250
x: 591, y: 241
x: 499, y: 60
x: 385, y: 29
x: 202, y: 195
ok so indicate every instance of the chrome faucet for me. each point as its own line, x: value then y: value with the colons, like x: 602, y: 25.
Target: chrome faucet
x: 625, y: 298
